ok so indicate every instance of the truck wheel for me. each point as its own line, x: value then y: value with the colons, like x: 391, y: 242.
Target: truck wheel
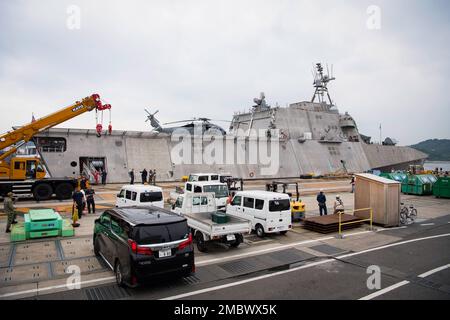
x: 64, y: 191
x: 201, y: 244
x: 42, y: 192
x: 238, y: 241
x: 259, y: 231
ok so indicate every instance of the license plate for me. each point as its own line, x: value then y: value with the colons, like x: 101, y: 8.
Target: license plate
x: 165, y: 253
x: 231, y: 237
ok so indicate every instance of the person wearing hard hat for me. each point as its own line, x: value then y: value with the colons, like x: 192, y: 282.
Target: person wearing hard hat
x: 8, y: 205
x: 338, y: 205
x: 322, y: 201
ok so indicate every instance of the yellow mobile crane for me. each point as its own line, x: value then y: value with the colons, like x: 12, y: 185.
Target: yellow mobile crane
x: 26, y: 175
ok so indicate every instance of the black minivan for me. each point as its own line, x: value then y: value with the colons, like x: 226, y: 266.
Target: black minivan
x: 140, y: 244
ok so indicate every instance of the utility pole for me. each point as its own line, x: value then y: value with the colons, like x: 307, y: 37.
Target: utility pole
x: 380, y: 135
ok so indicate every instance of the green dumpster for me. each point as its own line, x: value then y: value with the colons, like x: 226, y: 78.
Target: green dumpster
x: 418, y: 184
x: 441, y: 188
x: 397, y: 176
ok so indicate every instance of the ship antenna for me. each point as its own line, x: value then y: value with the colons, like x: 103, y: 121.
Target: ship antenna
x: 320, y: 83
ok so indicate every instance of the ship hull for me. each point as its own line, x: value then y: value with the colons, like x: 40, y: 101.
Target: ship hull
x: 122, y: 151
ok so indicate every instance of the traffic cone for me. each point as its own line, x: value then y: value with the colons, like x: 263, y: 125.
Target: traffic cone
x: 74, y: 217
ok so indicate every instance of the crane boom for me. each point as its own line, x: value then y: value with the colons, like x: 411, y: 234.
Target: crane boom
x: 26, y: 132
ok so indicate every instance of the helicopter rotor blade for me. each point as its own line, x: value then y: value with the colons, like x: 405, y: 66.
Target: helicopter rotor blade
x: 179, y: 121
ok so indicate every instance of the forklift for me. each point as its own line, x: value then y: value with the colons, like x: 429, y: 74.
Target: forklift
x: 234, y: 184
x: 297, y: 206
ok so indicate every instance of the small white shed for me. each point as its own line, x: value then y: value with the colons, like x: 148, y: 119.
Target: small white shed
x: 380, y: 194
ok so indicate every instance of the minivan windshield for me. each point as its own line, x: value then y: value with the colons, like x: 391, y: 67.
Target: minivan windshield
x: 161, y: 233
x: 279, y: 205
x: 220, y: 191
x: 151, y: 196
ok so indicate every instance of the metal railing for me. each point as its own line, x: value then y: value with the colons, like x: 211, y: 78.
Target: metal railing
x: 370, y: 219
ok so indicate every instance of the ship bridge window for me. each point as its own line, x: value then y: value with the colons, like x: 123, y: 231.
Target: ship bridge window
x: 51, y: 144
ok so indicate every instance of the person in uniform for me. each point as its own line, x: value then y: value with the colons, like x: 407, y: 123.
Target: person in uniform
x: 144, y: 174
x: 322, y: 202
x: 8, y: 204
x: 79, y: 201
x: 90, y: 200
x: 104, y: 174
x: 131, y: 174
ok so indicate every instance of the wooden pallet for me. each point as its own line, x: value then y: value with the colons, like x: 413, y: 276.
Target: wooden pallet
x: 330, y: 223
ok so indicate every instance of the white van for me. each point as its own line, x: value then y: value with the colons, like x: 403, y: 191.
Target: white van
x: 201, y: 177
x: 140, y: 195
x: 269, y: 212
x: 220, y: 190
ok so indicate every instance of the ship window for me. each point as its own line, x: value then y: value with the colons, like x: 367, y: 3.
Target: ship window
x: 73, y: 164
x: 51, y: 144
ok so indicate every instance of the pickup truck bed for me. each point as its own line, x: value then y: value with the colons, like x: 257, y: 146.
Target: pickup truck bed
x: 202, y: 221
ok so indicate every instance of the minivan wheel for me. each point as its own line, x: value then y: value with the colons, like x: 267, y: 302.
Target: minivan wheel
x: 201, y: 244
x: 96, y: 247
x: 259, y: 231
x: 119, y: 275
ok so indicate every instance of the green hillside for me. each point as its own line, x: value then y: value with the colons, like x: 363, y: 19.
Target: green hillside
x: 438, y: 149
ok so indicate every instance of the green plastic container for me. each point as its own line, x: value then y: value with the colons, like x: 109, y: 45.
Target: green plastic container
x: 441, y: 188
x: 18, y: 232
x: 67, y: 229
x: 218, y: 217
x: 43, y: 234
x: 42, y: 223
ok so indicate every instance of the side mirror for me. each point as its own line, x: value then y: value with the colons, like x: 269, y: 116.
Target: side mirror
x: 173, y: 206
x: 119, y: 195
x: 97, y: 220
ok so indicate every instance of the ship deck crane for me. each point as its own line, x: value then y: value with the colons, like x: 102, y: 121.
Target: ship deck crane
x: 26, y: 175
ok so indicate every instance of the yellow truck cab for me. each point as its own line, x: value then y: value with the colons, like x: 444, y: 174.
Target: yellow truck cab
x: 22, y: 168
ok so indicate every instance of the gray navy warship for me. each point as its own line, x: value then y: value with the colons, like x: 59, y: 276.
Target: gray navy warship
x: 313, y: 138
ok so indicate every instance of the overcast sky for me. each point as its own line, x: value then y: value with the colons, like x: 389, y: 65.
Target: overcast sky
x: 211, y: 58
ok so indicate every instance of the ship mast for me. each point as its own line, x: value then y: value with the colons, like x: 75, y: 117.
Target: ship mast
x: 320, y: 83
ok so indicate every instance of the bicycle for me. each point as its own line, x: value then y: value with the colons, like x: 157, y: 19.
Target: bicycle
x: 407, y: 214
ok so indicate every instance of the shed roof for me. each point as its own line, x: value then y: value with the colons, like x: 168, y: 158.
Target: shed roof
x: 375, y: 178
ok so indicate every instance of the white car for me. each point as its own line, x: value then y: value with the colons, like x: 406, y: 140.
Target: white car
x: 269, y: 212
x: 140, y: 195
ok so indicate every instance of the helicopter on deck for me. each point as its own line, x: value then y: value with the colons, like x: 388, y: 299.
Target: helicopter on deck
x: 207, y: 127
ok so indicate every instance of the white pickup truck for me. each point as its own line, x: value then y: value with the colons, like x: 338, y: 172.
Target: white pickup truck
x: 198, y: 209
x: 220, y: 190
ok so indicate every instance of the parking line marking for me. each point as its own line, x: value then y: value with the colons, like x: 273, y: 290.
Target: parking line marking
x: 385, y: 290
x: 395, y: 228
x: 193, y: 293
x: 428, y: 273
x: 55, y: 287
x: 402, y: 283
x: 278, y: 248
x: 427, y: 224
